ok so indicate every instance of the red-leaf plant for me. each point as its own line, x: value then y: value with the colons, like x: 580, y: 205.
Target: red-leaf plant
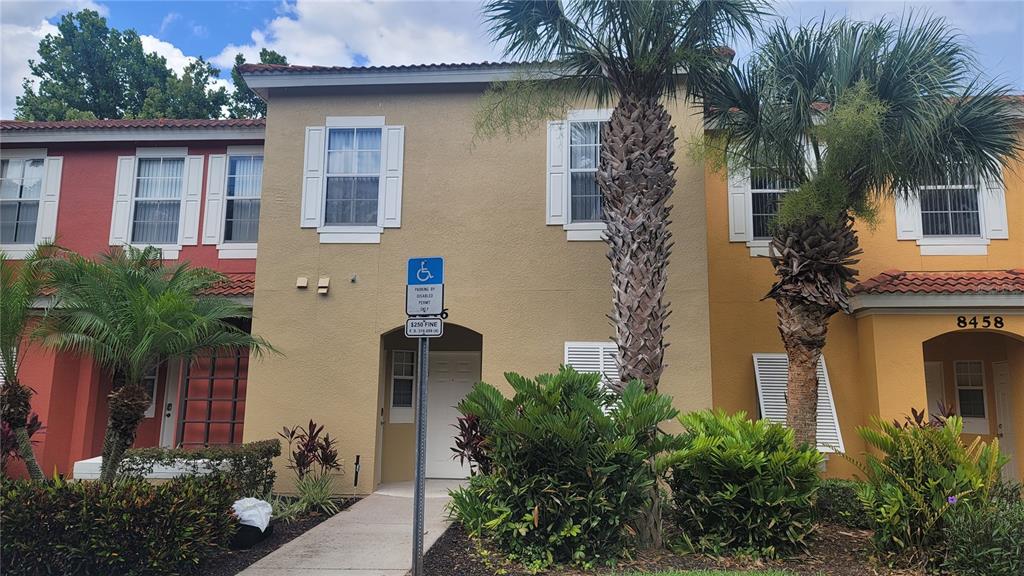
x: 310, y: 449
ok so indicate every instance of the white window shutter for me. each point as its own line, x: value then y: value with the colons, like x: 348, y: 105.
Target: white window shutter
x: 771, y: 372
x: 192, y: 200
x: 739, y: 204
x: 600, y: 357
x: 124, y: 187
x: 993, y: 198
x: 216, y: 183
x: 312, y: 177
x: 391, y: 183
x: 46, y: 227
x: 557, y: 173
x: 908, y: 217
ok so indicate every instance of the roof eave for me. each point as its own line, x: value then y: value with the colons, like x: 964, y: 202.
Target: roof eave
x: 131, y: 135
x: 261, y: 82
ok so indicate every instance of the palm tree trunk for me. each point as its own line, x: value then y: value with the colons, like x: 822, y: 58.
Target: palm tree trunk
x: 637, y: 177
x: 803, y: 327
x: 127, y: 409
x: 27, y: 454
x: 813, y: 260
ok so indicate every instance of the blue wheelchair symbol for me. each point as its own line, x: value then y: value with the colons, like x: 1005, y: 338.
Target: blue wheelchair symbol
x: 426, y: 271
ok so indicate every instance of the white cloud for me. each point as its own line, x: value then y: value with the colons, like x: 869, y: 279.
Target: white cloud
x: 177, y: 60
x: 169, y: 19
x: 22, y: 26
x: 406, y: 32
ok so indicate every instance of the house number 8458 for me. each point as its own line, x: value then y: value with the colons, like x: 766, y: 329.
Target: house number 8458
x: 979, y: 322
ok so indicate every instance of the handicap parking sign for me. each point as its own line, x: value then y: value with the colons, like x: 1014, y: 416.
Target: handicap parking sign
x: 424, y: 292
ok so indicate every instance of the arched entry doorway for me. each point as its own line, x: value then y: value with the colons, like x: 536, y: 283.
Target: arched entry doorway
x: 979, y: 375
x: 454, y: 367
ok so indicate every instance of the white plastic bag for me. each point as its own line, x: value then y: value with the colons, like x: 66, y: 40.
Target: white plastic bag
x: 253, y: 512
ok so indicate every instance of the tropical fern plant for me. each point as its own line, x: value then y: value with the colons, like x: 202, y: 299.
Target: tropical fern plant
x: 849, y: 114
x: 633, y: 54
x: 20, y: 286
x: 130, y: 312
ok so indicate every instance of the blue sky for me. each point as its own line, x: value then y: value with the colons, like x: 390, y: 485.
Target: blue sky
x: 359, y: 32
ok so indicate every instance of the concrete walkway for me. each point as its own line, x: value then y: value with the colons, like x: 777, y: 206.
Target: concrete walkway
x: 373, y: 537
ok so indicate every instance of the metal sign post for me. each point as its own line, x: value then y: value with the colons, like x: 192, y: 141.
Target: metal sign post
x: 424, y: 304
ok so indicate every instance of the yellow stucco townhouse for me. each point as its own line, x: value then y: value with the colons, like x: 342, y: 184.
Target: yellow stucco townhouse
x: 367, y: 167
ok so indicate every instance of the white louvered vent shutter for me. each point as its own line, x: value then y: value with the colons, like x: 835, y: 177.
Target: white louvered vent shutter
x: 908, y: 218
x: 124, y: 187
x: 312, y: 177
x: 739, y: 195
x: 391, y: 183
x: 601, y: 357
x: 46, y: 229
x: 192, y: 200
x: 216, y: 183
x: 771, y: 372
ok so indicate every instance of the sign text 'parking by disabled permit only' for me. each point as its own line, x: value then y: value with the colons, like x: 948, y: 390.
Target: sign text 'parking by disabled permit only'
x: 424, y: 292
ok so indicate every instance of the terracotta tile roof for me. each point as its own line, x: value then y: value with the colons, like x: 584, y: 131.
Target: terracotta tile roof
x: 975, y: 282
x: 237, y: 284
x: 134, y: 124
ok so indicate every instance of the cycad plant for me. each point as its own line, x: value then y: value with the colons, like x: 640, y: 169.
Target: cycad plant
x: 849, y: 113
x: 130, y: 312
x: 636, y: 55
x: 20, y: 287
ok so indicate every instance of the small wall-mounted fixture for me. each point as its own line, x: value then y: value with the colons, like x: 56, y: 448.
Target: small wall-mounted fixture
x: 354, y: 279
x: 302, y: 282
x: 323, y: 285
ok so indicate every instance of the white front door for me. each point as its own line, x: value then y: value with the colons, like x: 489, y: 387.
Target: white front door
x: 451, y: 376
x: 1004, y: 414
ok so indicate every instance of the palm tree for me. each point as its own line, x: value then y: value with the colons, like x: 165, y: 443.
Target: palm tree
x: 897, y: 105
x: 20, y: 286
x: 633, y: 53
x: 130, y: 312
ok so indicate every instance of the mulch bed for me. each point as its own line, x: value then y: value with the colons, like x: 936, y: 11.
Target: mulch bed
x: 835, y: 551
x: 231, y: 562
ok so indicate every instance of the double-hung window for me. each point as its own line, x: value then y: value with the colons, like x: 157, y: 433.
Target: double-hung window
x: 970, y: 395
x: 159, y: 186
x: 951, y: 208
x: 766, y: 191
x: 21, y: 182
x: 584, y: 159
x: 242, y: 199
x: 353, y: 176
x: 403, y: 370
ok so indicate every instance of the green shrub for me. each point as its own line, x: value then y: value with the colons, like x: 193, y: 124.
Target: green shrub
x: 915, y: 474
x: 985, y: 540
x: 837, y: 502
x: 313, y: 457
x: 250, y: 466
x: 129, y: 527
x: 742, y: 485
x: 570, y: 466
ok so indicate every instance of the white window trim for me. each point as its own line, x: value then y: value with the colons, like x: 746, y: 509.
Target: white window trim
x: 352, y: 234
x: 401, y: 414
x: 236, y: 250
x: 739, y: 189
x: 988, y: 207
x: 22, y: 251
x: 167, y: 251
x: 974, y: 425
x: 581, y: 231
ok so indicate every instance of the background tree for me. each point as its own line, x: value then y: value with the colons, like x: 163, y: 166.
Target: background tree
x: 244, y: 102
x: 131, y: 313
x: 629, y: 53
x: 20, y: 285
x: 187, y: 96
x: 89, y: 70
x: 897, y: 106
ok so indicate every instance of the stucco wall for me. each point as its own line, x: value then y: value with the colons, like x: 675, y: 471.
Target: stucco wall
x: 510, y: 277
x: 742, y: 323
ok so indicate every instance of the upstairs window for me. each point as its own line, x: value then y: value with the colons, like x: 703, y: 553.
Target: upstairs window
x: 951, y: 208
x: 766, y: 191
x: 584, y: 159
x: 353, y: 176
x: 21, y: 183
x: 242, y: 199
x: 159, y: 185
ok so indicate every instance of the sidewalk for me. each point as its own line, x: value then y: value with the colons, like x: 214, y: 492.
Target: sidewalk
x: 373, y: 537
